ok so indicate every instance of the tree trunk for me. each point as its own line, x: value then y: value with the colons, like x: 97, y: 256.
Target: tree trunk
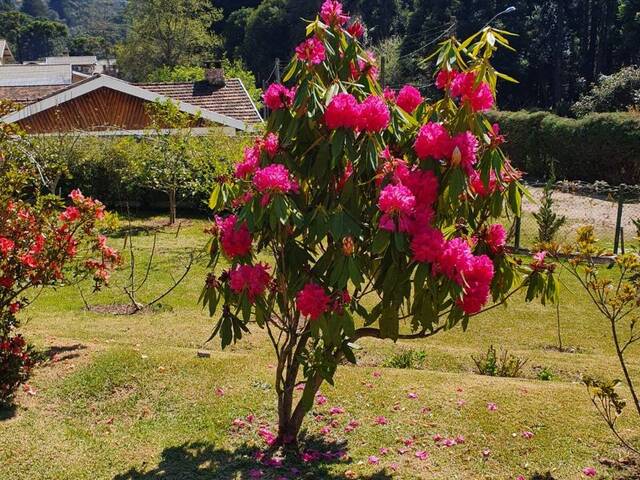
x: 290, y: 423
x: 172, y: 207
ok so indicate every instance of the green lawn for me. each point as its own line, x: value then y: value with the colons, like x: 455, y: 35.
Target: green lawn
x: 127, y: 397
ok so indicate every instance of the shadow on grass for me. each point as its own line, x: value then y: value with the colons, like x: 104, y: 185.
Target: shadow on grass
x: 62, y: 353
x: 7, y: 412
x: 202, y: 461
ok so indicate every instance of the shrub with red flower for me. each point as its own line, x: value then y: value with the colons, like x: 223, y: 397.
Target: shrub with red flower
x: 409, y: 98
x: 311, y: 51
x: 370, y: 212
x: 42, y: 245
x: 277, y: 96
x: 312, y: 301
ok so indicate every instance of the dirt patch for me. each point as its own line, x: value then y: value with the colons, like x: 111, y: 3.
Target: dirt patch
x: 587, y: 210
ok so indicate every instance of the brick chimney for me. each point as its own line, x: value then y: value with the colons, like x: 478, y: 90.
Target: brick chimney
x: 214, y: 74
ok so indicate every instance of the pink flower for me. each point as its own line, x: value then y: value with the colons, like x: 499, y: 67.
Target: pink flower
x: 462, y: 83
x: 384, y: 450
x: 455, y: 259
x: 70, y: 214
x: 266, y: 435
x: 444, y: 78
x: 373, y: 115
x: 492, y: 407
x: 326, y: 430
x: 235, y: 239
x: 460, y: 439
x: 321, y: 399
x: 271, y: 144
x: 422, y: 455
x: 478, y: 97
x: 274, y: 178
x: 381, y: 420
x: 437, y: 438
x: 465, y: 148
x: 407, y: 442
x: 278, y: 96
x: 251, y: 280
x: 396, y: 200
x: 589, y: 472
x: 478, y: 278
x: 409, y: 98
x: 389, y: 95
x: 424, y: 186
x: 312, y: 301
x: 527, y: 435
x: 331, y: 13
x: 449, y: 442
x: 412, y: 395
x: 311, y: 51
x: 356, y: 29
x: 461, y: 403
x: 427, y: 245
x: 249, y: 163
x: 376, y: 374
x: 486, y: 453
x: 478, y: 187
x: 496, y: 237
x: 481, y: 99
x: 342, y: 112
x: 336, y: 411
x: 538, y: 259
x: 373, y: 460
x: 433, y: 141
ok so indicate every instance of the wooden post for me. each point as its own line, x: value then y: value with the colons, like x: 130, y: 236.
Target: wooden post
x: 616, y: 241
x: 516, y: 239
x: 383, y: 71
x: 622, y: 240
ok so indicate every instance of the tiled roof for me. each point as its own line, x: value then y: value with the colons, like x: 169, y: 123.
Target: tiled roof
x: 30, y: 94
x: 231, y: 100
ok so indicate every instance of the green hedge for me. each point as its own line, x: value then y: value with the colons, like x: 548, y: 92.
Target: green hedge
x: 601, y: 146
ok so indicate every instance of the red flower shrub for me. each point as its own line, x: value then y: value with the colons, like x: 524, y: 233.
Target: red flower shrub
x: 42, y: 246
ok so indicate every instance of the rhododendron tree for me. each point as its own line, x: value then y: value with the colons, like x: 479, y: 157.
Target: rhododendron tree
x: 42, y: 245
x: 379, y: 212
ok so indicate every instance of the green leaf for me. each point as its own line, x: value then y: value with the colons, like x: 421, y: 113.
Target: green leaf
x: 213, y: 199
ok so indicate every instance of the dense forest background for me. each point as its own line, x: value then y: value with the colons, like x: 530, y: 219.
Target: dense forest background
x: 563, y: 47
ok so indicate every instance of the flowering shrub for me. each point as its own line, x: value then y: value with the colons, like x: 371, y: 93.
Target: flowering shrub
x: 41, y: 245
x: 379, y: 211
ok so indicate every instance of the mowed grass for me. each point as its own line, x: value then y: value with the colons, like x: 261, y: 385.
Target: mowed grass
x: 127, y: 397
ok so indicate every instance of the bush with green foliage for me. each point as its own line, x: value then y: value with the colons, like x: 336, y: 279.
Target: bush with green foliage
x: 406, y: 359
x: 613, y: 93
x: 505, y: 365
x: 378, y: 211
x: 600, y: 146
x: 549, y: 222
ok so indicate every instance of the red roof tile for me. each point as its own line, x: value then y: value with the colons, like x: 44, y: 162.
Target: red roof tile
x: 231, y: 100
x: 29, y: 94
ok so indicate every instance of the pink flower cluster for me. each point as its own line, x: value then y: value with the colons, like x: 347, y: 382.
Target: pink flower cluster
x: 344, y: 111
x: 252, y: 280
x: 277, y: 96
x: 331, y: 13
x: 407, y: 201
x: 409, y: 98
x: 434, y: 141
x: 312, y: 301
x: 235, y: 239
x: 274, y: 178
x: 269, y: 144
x: 464, y: 85
x: 311, y: 51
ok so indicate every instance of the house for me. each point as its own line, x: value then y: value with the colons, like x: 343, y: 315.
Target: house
x: 6, y: 57
x: 105, y: 105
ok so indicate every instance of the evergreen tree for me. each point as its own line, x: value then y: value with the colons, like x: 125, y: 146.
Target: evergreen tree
x: 35, y: 8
